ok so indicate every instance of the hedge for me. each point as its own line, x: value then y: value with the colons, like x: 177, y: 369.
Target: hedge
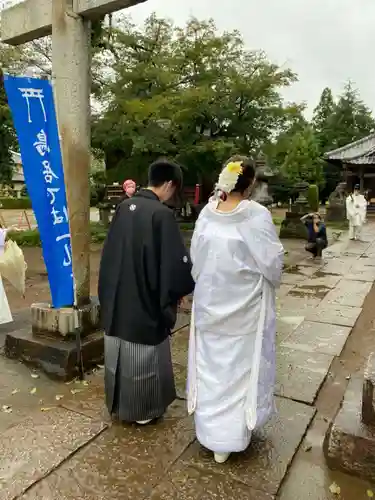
x: 26, y: 238
x: 15, y: 203
x: 313, y: 197
x: 32, y: 238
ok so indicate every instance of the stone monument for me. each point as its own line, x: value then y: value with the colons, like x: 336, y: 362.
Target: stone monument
x: 49, y: 344
x: 292, y: 227
x: 349, y: 444
x: 336, y: 210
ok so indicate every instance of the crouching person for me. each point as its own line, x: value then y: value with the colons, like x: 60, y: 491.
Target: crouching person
x: 317, y: 234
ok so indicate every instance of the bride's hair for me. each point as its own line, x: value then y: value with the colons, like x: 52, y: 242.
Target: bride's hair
x: 248, y: 173
x: 237, y: 175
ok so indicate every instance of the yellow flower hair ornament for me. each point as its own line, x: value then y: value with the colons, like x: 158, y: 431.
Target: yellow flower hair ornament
x: 228, y: 179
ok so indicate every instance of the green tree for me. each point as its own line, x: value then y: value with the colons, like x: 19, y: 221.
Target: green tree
x: 351, y: 119
x: 337, y: 124
x: 303, y: 160
x: 313, y: 197
x: 322, y: 122
x: 7, y: 137
x: 322, y: 119
x: 190, y: 93
x: 294, y: 122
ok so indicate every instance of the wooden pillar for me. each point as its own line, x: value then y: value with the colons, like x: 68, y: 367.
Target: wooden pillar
x: 362, y: 178
x: 71, y: 77
x: 345, y: 176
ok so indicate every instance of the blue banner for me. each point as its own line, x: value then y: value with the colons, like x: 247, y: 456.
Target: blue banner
x: 32, y: 106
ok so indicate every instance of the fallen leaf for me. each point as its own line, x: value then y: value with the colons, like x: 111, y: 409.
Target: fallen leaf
x: 15, y: 391
x: 370, y: 493
x: 34, y: 375
x: 75, y: 391
x: 335, y: 489
x: 58, y: 397
x: 33, y: 391
x: 46, y: 409
x: 6, y: 409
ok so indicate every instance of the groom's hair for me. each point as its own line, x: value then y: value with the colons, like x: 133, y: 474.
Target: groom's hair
x: 162, y: 171
x: 248, y: 173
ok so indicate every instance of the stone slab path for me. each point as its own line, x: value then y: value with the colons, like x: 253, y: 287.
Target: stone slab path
x: 57, y: 442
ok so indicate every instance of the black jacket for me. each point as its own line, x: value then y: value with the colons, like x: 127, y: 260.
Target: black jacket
x: 145, y: 270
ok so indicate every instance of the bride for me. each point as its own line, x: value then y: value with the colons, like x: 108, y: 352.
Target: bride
x: 237, y: 263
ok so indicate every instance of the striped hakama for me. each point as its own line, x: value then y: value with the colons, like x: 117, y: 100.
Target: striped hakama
x: 139, y: 381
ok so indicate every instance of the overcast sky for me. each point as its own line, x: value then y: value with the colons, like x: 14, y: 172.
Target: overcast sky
x: 326, y: 42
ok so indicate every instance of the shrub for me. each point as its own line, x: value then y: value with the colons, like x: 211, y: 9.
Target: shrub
x: 26, y: 238
x: 15, y: 203
x: 313, y: 197
x: 32, y: 238
x: 98, y: 233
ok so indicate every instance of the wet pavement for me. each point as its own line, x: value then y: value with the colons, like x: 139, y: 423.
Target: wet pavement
x: 57, y: 442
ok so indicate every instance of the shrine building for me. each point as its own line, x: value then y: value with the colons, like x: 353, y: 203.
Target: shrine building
x: 357, y: 161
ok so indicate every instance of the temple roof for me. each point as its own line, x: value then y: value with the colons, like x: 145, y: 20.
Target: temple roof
x: 360, y: 152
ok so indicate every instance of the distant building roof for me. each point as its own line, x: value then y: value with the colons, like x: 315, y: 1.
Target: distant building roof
x: 360, y: 152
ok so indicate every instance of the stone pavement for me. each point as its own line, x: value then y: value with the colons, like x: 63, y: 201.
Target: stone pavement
x: 57, y: 443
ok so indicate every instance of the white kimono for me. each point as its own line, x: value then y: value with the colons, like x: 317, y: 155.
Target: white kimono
x: 356, y: 208
x: 237, y: 264
x: 5, y: 314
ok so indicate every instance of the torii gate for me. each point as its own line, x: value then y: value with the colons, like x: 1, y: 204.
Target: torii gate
x: 69, y: 23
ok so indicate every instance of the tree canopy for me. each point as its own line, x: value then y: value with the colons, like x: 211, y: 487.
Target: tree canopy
x: 303, y: 161
x: 189, y: 93
x: 196, y: 95
x: 7, y: 137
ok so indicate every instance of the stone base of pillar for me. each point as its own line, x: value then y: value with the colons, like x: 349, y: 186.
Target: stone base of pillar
x: 51, y: 344
x: 61, y: 323
x: 349, y: 444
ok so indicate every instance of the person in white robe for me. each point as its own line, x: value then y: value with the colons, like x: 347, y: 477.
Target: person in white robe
x: 237, y: 264
x: 5, y: 313
x: 356, y: 209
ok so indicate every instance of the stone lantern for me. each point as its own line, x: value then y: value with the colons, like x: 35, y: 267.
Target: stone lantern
x: 301, y: 205
x: 292, y: 227
x: 261, y: 189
